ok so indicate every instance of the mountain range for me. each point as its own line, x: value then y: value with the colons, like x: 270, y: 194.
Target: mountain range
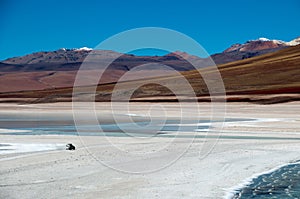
x: 57, y: 69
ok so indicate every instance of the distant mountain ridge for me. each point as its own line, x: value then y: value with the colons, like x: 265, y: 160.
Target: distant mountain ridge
x: 235, y: 52
x: 265, y: 79
x: 261, y: 44
x: 62, y: 55
x: 252, y: 48
x: 56, y: 69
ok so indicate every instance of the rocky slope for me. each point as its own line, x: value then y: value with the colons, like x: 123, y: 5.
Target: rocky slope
x: 269, y: 78
x: 252, y: 48
x: 56, y: 69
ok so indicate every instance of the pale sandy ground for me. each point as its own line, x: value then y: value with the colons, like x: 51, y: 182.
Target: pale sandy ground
x: 253, y: 147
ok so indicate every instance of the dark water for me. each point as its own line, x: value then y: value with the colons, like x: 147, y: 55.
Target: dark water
x: 283, y: 183
x: 170, y: 129
x: 44, y: 127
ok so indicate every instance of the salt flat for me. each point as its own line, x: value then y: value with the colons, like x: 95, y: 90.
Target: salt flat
x: 269, y: 139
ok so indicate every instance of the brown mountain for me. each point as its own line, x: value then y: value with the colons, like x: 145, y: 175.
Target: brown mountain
x: 252, y: 48
x: 57, y: 69
x: 269, y: 78
x: 257, y: 45
x: 71, y: 59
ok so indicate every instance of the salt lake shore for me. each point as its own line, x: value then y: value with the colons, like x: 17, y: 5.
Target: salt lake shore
x: 269, y: 137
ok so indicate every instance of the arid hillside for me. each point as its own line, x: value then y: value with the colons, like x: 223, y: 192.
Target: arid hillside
x: 269, y: 78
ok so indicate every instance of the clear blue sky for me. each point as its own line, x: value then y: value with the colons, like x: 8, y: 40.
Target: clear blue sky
x: 36, y: 25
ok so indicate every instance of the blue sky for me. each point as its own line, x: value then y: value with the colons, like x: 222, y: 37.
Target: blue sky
x: 34, y: 25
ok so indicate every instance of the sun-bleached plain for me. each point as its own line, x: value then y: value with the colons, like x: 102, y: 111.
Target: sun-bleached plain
x: 271, y: 137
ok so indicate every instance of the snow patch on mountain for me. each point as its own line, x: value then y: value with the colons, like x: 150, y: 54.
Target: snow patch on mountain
x: 83, y: 49
x: 262, y: 43
x: 263, y: 39
x: 294, y: 42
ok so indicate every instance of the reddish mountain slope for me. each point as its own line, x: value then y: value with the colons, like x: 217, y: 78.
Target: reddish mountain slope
x: 269, y: 78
